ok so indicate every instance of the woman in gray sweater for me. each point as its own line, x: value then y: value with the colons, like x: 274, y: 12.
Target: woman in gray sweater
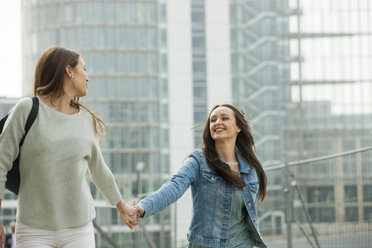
x: 55, y: 205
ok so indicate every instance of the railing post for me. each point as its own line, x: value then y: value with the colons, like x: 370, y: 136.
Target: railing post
x: 139, y: 168
x: 289, y: 205
x: 105, y: 236
x: 306, y: 212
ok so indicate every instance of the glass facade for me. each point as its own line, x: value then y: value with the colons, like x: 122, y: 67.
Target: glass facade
x: 259, y: 64
x: 329, y: 84
x: 300, y: 72
x: 329, y: 110
x: 299, y: 69
x: 124, y: 44
x: 199, y: 67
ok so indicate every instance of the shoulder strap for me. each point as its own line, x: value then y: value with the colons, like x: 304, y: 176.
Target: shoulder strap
x: 31, y: 117
x: 2, y: 123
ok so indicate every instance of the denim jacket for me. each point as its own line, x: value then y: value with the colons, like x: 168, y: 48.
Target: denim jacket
x: 212, y: 200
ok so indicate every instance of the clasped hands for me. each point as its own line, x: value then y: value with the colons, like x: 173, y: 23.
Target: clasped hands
x: 130, y: 214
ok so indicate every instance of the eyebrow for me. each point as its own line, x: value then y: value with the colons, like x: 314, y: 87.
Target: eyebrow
x: 221, y: 115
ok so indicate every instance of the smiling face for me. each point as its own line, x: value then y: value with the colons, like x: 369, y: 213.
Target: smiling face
x: 222, y: 124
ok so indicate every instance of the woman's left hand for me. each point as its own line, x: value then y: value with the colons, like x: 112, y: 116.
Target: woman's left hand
x: 127, y: 214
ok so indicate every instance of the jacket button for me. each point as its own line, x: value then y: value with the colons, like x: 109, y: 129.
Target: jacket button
x: 226, y: 210
x: 249, y: 204
x: 254, y: 220
x: 225, y: 227
x: 212, y: 177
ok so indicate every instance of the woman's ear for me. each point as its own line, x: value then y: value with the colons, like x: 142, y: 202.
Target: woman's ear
x: 68, y: 71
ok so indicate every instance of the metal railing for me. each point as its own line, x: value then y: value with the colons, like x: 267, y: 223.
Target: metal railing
x: 320, y: 202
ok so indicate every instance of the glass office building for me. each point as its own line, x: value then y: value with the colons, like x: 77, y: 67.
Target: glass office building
x: 330, y: 87
x: 199, y: 67
x: 260, y: 62
x: 333, y: 41
x: 330, y: 108
x: 299, y: 69
x: 124, y: 44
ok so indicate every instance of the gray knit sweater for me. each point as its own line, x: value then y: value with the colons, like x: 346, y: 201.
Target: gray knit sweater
x: 58, y: 151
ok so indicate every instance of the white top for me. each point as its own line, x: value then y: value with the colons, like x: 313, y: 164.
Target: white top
x: 56, y: 155
x: 13, y: 241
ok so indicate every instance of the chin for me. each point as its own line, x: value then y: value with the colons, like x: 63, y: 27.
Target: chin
x: 216, y: 138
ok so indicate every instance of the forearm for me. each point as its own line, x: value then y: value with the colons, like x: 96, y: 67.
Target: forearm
x: 121, y: 206
x: 103, y: 177
x: 169, y: 193
x: 172, y: 190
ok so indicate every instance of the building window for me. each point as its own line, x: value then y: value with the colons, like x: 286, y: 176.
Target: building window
x: 163, y: 38
x: 198, y: 42
x: 367, y: 193
x: 154, y: 113
x: 198, y: 67
x: 153, y: 63
x: 162, y: 13
x: 351, y: 193
x: 154, y: 137
x: 197, y: 16
x: 320, y: 194
x: 200, y: 94
x: 322, y: 214
x: 368, y: 214
x: 164, y: 63
x: 351, y: 214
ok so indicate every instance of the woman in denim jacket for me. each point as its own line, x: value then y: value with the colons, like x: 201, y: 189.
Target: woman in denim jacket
x: 227, y: 180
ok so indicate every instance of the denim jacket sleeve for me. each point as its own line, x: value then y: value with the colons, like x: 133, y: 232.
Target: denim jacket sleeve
x: 172, y: 190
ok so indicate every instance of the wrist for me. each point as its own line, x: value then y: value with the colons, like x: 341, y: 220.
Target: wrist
x: 121, y: 206
x: 142, y: 211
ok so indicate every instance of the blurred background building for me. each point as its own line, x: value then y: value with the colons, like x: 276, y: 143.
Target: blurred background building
x: 299, y: 69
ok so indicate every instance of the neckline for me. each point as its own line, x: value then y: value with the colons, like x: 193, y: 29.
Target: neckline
x: 56, y: 111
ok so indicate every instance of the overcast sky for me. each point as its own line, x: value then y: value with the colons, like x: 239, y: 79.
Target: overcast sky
x: 10, y: 48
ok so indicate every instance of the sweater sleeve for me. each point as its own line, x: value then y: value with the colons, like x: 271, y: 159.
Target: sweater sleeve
x: 102, y: 176
x: 11, y: 136
x: 172, y: 190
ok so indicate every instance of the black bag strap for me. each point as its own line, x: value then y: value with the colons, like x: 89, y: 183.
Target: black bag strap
x: 31, y: 118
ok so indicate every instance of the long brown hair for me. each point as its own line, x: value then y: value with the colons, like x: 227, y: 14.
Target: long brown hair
x: 50, y: 75
x: 244, y: 145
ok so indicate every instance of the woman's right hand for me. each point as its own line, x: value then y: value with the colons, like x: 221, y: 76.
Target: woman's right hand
x: 140, y: 211
x: 127, y: 214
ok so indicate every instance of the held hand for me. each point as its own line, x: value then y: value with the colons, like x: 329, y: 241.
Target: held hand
x: 127, y: 214
x: 139, y: 211
x: 2, y: 235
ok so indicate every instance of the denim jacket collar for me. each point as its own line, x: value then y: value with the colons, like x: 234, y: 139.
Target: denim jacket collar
x: 244, y: 167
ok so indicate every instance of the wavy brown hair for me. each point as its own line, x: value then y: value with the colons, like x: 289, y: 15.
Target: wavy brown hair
x: 244, y: 145
x: 50, y: 75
